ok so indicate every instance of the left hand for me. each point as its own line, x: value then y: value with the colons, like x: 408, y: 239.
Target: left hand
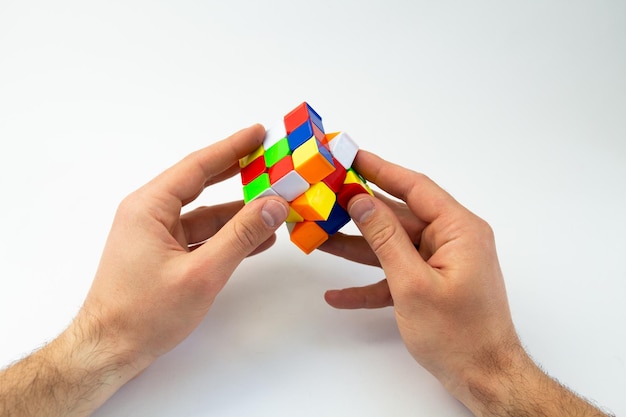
x: 161, y: 271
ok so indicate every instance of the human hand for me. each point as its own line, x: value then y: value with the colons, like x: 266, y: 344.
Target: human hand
x: 444, y: 281
x: 442, y: 272
x: 161, y: 271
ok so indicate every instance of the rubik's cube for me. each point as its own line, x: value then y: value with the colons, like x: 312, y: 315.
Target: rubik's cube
x: 310, y: 169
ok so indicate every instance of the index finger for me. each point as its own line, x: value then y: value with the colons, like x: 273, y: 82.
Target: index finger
x: 423, y: 196
x: 186, y: 180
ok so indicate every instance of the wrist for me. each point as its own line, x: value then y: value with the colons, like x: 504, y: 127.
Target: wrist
x: 481, y: 378
x: 497, y: 378
x: 88, y: 359
x: 506, y: 381
x: 71, y: 376
x: 103, y: 347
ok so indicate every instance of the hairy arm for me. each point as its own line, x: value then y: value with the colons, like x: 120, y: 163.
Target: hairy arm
x: 71, y: 376
x: 509, y: 383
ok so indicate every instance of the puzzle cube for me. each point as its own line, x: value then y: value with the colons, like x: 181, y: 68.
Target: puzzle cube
x: 310, y: 169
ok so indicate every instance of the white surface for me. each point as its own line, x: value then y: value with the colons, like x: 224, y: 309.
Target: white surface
x: 517, y: 108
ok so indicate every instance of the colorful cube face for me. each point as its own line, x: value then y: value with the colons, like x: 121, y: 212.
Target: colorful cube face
x: 310, y: 169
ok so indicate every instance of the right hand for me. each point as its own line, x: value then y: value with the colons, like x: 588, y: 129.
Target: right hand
x: 442, y: 277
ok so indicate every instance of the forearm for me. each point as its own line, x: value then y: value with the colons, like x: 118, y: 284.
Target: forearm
x: 521, y: 388
x: 71, y: 376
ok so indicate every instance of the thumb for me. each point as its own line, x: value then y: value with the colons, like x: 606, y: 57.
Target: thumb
x: 383, y: 231
x: 250, y: 227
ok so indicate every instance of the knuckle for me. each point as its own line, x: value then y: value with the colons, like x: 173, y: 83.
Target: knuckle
x: 382, y: 236
x: 245, y: 237
x: 480, y: 237
x: 484, y: 231
x: 130, y: 206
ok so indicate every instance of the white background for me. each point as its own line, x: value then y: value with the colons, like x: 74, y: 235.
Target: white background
x: 517, y: 108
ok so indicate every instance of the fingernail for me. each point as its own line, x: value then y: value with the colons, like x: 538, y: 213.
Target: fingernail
x: 273, y: 213
x: 362, y: 209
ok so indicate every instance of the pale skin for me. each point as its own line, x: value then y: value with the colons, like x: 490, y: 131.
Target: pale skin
x: 160, y: 272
